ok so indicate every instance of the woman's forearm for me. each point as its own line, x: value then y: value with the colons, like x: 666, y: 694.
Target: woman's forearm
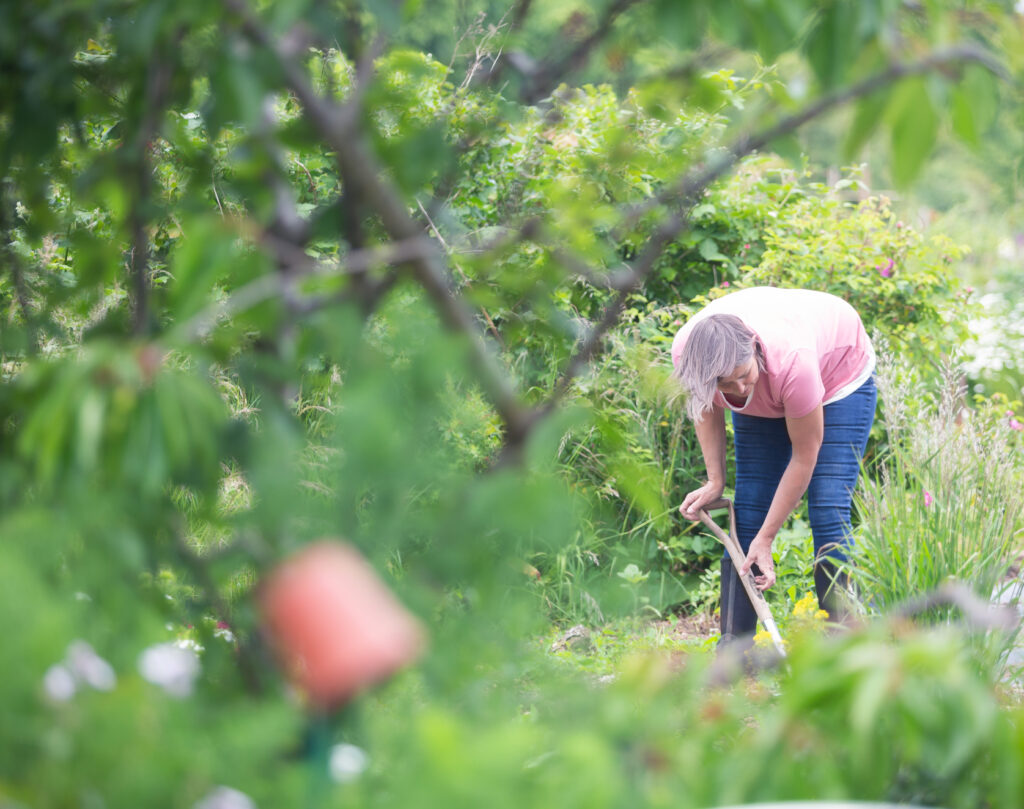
x: 711, y: 437
x: 805, y: 434
x: 792, y: 486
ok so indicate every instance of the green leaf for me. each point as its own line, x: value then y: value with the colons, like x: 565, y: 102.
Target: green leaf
x: 417, y: 157
x: 963, y: 117
x: 870, y: 111
x: 682, y: 24
x: 632, y: 574
x: 981, y: 92
x: 774, y: 32
x: 236, y: 93
x: 728, y: 21
x: 197, y: 264
x: 831, y: 45
x: 709, y: 251
x: 788, y: 147
x: 914, y: 128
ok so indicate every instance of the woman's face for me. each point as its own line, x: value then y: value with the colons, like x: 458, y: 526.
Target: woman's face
x: 741, y: 381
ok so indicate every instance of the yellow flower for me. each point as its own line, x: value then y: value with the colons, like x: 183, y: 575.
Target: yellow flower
x: 806, y: 607
x: 762, y: 639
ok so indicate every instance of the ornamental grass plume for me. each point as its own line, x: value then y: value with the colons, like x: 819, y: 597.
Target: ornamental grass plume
x: 947, y: 504
x: 336, y: 628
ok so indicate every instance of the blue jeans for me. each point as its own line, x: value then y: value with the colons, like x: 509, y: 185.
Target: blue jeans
x: 763, y: 450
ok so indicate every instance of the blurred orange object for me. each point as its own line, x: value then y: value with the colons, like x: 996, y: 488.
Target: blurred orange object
x: 335, y: 626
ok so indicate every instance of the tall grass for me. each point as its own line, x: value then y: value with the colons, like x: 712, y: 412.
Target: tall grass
x: 631, y: 460
x: 946, y: 503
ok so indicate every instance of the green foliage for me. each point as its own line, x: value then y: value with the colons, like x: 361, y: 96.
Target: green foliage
x: 947, y: 507
x: 900, y: 281
x: 917, y: 726
x: 214, y: 351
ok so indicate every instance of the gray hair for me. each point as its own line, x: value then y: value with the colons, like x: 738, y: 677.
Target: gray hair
x: 716, y: 347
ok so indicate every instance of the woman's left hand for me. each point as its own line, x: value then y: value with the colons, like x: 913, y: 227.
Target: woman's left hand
x: 760, y: 554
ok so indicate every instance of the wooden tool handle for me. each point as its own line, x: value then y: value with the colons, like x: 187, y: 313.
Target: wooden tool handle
x: 732, y: 546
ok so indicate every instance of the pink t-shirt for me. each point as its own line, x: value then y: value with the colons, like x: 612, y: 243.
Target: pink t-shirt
x: 814, y: 344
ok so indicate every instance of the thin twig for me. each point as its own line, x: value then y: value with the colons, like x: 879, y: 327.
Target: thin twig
x: 465, y: 278
x: 694, y: 184
x: 157, y: 87
x: 520, y: 12
x: 21, y: 293
x: 548, y: 75
x: 312, y: 185
x: 747, y: 144
x: 248, y: 663
x: 276, y: 284
x: 977, y: 613
x: 362, y: 176
x: 322, y: 112
x: 216, y: 196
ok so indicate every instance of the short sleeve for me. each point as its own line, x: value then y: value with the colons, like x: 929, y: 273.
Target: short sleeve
x: 800, y: 386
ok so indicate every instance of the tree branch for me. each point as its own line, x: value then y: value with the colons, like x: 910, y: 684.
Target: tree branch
x: 548, y: 75
x: 21, y: 293
x: 301, y: 266
x: 248, y: 662
x: 324, y: 114
x: 693, y: 184
x: 747, y: 144
x: 465, y: 279
x: 520, y: 12
x: 362, y: 176
x: 157, y: 86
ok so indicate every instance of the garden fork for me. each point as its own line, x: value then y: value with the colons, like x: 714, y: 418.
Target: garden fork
x: 732, y: 547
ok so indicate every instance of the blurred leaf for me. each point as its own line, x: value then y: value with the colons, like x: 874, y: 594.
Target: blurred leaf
x: 709, y: 251
x: 833, y: 41
x: 870, y: 111
x: 681, y: 23
x: 788, y: 147
x: 914, y: 128
x: 963, y: 117
x: 975, y: 102
x: 416, y: 157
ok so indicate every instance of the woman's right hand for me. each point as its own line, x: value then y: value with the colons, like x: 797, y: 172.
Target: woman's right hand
x: 698, y: 498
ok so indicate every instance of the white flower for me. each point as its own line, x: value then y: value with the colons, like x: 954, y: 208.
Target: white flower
x: 225, y: 798
x: 89, y: 667
x: 1019, y: 7
x: 347, y: 762
x: 80, y: 666
x: 59, y: 683
x: 224, y: 634
x: 171, y: 666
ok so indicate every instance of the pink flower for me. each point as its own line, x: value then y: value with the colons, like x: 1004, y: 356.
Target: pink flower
x: 725, y: 283
x: 746, y: 246
x: 886, y: 271
x: 928, y: 499
x: 1016, y: 425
